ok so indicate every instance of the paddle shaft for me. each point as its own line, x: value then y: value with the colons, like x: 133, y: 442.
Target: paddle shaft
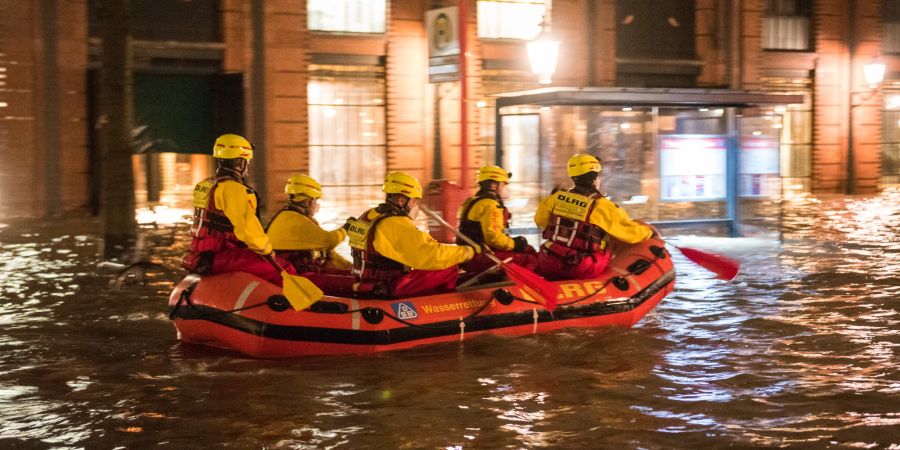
x: 487, y: 250
x: 271, y: 259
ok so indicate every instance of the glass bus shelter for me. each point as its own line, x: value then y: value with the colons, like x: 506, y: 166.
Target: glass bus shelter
x: 673, y: 157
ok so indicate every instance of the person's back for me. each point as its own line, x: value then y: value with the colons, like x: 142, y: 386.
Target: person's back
x: 391, y: 256
x: 484, y: 219
x: 576, y: 224
x: 226, y: 235
x: 298, y: 237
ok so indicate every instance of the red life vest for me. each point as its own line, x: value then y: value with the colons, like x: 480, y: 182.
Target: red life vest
x: 569, y: 224
x: 303, y: 260
x: 368, y: 264
x: 212, y: 230
x: 472, y: 228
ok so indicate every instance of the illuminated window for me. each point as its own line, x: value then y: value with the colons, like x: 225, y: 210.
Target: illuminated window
x: 346, y: 129
x: 510, y: 19
x: 351, y: 16
x: 890, y: 139
x: 786, y: 25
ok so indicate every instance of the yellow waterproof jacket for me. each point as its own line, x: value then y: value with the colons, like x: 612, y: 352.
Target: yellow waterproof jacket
x: 239, y: 205
x: 291, y: 230
x: 398, y: 239
x: 490, y: 215
x: 606, y: 215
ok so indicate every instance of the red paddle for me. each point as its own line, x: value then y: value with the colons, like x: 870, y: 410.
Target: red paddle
x: 541, y: 290
x: 724, y: 268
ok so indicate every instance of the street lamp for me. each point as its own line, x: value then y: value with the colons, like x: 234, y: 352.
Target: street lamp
x: 874, y: 73
x: 543, y: 51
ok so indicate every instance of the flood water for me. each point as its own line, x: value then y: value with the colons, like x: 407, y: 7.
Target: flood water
x: 802, y: 350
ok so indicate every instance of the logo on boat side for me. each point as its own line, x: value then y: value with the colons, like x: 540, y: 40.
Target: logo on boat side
x: 405, y: 310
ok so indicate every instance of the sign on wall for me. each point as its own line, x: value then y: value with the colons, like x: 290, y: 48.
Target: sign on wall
x: 442, y: 28
x: 692, y: 167
x: 760, y: 167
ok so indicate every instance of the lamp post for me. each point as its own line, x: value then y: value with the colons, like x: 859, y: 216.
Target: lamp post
x: 874, y: 75
x: 543, y: 51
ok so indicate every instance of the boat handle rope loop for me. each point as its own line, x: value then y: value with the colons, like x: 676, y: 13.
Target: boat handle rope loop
x: 636, y: 268
x: 374, y: 315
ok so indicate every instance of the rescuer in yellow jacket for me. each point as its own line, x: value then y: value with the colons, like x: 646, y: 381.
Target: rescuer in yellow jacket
x: 485, y: 219
x: 393, y: 258
x: 576, y: 223
x: 298, y: 237
x: 227, y: 235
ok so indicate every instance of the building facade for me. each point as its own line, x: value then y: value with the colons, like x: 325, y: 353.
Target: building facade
x: 340, y: 88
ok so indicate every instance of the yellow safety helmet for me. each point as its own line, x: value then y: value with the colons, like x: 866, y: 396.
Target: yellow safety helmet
x: 402, y: 183
x: 230, y: 146
x: 303, y: 184
x: 494, y: 173
x: 581, y: 164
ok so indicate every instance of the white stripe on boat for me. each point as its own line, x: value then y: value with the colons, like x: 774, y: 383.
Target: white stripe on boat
x: 244, y: 295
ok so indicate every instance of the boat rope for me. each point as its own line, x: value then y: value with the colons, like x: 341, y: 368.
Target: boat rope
x: 657, y: 256
x: 375, y: 311
x: 418, y: 325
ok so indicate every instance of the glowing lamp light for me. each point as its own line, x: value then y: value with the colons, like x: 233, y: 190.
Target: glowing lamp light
x: 874, y: 73
x: 543, y: 53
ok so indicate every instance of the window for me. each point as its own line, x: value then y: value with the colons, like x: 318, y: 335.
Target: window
x: 890, y: 139
x: 510, y: 19
x: 655, y: 29
x: 168, y: 20
x: 786, y: 25
x: 351, y: 16
x: 346, y: 129
x: 891, y: 42
x: 796, y: 133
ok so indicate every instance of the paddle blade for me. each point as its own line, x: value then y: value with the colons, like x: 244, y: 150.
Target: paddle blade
x: 300, y: 292
x: 724, y: 268
x: 541, y: 290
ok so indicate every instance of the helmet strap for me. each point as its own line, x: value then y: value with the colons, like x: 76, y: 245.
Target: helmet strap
x: 399, y: 202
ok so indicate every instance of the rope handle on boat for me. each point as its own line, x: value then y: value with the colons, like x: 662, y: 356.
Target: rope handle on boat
x: 185, y: 298
x: 504, y: 297
x: 658, y: 253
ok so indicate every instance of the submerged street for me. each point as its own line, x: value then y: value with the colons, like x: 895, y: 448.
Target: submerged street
x: 801, y: 349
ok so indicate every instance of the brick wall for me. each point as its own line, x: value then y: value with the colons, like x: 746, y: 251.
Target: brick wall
x: 406, y: 81
x: 45, y: 165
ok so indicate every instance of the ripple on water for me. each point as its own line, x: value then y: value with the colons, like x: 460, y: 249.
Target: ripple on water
x: 800, y: 350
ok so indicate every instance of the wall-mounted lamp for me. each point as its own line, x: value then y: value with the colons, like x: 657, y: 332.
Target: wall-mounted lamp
x: 874, y: 73
x: 543, y: 51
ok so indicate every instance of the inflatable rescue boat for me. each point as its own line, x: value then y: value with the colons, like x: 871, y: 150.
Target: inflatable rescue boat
x: 241, y: 312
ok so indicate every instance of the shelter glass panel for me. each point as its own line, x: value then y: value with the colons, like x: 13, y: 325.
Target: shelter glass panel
x: 522, y: 157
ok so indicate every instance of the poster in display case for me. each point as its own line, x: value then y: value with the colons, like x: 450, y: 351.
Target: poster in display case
x: 692, y: 167
x: 760, y: 167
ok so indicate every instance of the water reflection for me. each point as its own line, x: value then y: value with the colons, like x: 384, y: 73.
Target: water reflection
x: 800, y: 350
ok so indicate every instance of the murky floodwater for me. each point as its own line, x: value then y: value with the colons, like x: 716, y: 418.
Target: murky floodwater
x: 802, y: 350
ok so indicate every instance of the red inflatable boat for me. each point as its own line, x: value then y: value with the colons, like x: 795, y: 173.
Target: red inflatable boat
x: 242, y: 312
